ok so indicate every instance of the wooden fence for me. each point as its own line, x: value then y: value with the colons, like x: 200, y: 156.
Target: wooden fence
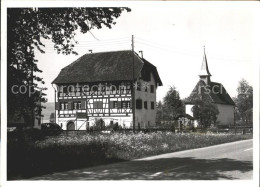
x: 231, y: 130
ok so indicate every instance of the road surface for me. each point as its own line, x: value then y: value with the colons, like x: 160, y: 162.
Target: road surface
x: 226, y: 161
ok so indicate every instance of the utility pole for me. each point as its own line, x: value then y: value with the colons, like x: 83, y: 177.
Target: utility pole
x: 55, y: 92
x: 31, y: 86
x: 133, y: 89
x: 235, y: 120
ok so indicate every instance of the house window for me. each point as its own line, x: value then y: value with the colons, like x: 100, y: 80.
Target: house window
x: 66, y: 106
x: 97, y: 104
x: 64, y: 89
x: 114, y: 104
x: 114, y: 88
x: 122, y: 88
x: 103, y: 90
x: 125, y: 104
x: 62, y: 106
x: 139, y: 104
x: 78, y: 89
x: 152, y: 105
x: 128, y: 87
x: 152, y: 88
x: 145, y: 104
x: 77, y: 105
x: 85, y: 89
x: 71, y: 88
x: 94, y: 88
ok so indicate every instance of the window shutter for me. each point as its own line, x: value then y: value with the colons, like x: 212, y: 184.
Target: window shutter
x: 139, y: 104
x: 145, y: 104
x: 83, y: 104
x: 152, y: 105
x: 57, y: 106
x: 95, y: 104
x: 99, y: 104
x: 119, y: 104
x: 64, y: 89
x: 111, y: 104
x: 130, y: 103
x: 70, y: 105
x: 152, y: 88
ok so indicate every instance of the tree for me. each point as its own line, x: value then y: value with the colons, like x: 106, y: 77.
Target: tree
x: 173, y: 106
x: 99, y: 124
x: 159, y: 113
x: 205, y: 112
x: 52, y: 117
x: 26, y: 30
x: 170, y: 109
x: 244, y: 102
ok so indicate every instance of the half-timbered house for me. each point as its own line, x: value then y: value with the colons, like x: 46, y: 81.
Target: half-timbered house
x: 103, y: 85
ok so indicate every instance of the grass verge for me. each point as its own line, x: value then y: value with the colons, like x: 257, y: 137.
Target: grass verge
x: 64, y: 152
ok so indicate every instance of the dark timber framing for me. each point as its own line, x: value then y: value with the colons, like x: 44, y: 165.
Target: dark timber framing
x: 101, y: 85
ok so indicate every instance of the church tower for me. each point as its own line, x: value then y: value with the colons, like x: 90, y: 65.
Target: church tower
x: 204, y: 72
x: 217, y: 95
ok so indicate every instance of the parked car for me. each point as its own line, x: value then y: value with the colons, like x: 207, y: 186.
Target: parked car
x: 22, y: 134
x: 224, y: 130
x: 51, y: 128
x: 11, y: 129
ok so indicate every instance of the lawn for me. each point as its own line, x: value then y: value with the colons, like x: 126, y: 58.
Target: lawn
x: 73, y: 151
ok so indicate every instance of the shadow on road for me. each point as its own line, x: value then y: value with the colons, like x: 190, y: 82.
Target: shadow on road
x: 160, y: 169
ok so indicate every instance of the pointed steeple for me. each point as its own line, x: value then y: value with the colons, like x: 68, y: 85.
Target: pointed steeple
x: 204, y: 72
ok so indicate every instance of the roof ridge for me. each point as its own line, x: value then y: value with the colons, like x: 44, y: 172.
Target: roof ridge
x: 92, y: 54
x: 215, y: 82
x: 107, y: 52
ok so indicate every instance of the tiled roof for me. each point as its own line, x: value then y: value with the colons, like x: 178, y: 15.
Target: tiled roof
x: 204, y: 67
x: 214, y: 93
x: 105, y: 66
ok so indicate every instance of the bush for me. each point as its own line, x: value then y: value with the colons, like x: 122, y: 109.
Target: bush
x: 99, y: 124
x: 115, y: 127
x: 212, y: 129
x: 30, y: 134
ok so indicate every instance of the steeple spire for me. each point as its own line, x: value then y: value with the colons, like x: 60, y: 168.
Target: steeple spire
x: 204, y: 72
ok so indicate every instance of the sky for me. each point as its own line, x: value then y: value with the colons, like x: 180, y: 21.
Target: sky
x: 171, y: 36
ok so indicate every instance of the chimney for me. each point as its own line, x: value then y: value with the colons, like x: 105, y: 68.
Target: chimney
x: 141, y: 53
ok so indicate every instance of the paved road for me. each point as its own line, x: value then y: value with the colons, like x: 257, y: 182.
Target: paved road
x: 226, y: 161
